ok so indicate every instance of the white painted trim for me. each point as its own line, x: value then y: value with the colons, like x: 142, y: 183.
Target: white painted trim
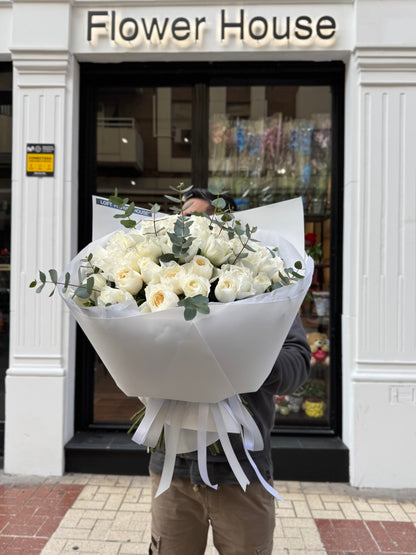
x: 384, y: 377
x: 36, y: 372
x: 160, y: 3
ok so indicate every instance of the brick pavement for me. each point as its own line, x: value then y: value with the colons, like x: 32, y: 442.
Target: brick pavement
x: 110, y: 515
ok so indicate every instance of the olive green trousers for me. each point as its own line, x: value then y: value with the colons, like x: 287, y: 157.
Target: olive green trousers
x: 242, y: 522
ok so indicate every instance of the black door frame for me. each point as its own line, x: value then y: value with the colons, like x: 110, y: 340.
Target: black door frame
x: 6, y: 97
x: 201, y: 76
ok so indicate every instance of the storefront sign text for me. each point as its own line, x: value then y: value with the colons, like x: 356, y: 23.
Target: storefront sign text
x: 258, y: 31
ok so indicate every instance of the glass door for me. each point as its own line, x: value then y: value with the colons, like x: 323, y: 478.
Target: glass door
x: 273, y: 143
x: 143, y: 137
x: 268, y: 132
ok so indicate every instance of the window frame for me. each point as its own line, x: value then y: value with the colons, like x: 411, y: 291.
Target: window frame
x: 201, y: 76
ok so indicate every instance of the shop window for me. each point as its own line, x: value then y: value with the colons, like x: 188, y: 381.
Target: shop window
x: 268, y: 144
x: 268, y: 136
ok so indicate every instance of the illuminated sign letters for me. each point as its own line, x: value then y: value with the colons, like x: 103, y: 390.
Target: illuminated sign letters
x: 258, y: 30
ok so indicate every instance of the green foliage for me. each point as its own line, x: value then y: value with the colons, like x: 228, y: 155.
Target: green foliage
x: 128, y: 210
x: 83, y: 291
x: 193, y: 305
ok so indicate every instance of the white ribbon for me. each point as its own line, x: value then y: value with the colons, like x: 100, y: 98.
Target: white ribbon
x: 203, y: 414
x: 222, y: 418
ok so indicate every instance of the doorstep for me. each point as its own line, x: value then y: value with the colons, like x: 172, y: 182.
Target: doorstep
x: 312, y: 459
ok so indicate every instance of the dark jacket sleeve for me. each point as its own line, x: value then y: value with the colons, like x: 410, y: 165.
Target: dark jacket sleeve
x: 292, y: 366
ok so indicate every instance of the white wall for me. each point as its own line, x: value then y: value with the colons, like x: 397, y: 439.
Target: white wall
x: 39, y: 382
x: 379, y: 322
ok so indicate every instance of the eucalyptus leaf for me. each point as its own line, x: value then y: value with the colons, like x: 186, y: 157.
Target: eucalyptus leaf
x: 189, y: 313
x: 54, y: 275
x: 42, y: 277
x: 129, y: 210
x: 81, y: 292
x: 167, y: 257
x: 128, y: 223
x: 172, y: 199
x: 90, y: 285
x: 219, y: 203
x: 216, y: 188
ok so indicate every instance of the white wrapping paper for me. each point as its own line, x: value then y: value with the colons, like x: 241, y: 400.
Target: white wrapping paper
x: 189, y: 373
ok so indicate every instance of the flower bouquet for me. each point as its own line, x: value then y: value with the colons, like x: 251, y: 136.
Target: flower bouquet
x: 187, y: 313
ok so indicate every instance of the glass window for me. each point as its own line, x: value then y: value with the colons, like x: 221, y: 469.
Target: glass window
x: 268, y: 144
x: 143, y: 147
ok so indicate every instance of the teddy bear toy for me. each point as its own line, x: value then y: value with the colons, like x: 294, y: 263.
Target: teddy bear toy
x: 319, y: 344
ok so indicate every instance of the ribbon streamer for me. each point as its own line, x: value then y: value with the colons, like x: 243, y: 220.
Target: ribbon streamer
x: 227, y: 416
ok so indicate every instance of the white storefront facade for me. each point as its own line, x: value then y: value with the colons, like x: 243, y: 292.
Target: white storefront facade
x: 47, y: 41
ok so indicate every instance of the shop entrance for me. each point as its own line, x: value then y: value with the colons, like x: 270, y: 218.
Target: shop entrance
x: 268, y: 132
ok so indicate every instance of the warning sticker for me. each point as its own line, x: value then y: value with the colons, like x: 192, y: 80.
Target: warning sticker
x: 40, y: 160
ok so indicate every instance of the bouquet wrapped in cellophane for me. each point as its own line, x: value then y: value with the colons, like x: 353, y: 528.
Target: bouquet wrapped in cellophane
x: 187, y: 313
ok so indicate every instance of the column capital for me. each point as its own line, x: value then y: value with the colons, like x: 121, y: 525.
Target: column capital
x: 385, y: 66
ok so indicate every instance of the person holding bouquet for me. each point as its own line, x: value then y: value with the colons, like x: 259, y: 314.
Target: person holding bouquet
x: 242, y: 521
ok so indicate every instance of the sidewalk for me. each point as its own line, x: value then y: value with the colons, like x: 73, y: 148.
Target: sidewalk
x: 109, y: 515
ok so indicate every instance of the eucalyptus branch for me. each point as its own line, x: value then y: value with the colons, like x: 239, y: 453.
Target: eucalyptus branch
x: 245, y: 246
x: 154, y: 208
x: 83, y: 291
x: 121, y: 204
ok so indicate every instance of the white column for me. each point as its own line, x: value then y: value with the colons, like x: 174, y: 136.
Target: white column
x: 379, y: 319
x: 40, y: 379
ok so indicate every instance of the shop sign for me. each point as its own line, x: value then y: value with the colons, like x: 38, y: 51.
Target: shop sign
x: 280, y: 31
x: 40, y: 160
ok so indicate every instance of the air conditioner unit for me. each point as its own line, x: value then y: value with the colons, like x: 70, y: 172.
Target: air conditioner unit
x: 119, y: 143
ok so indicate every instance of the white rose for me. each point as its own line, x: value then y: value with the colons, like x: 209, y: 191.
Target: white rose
x: 129, y: 280
x: 158, y: 298
x: 200, y: 228
x: 260, y: 283
x: 70, y: 294
x: 109, y: 295
x: 149, y: 270
x: 171, y: 277
x: 193, y: 285
x: 102, y: 260
x: 217, y: 250
x: 149, y: 249
x: 244, y: 279
x: 226, y: 288
x: 144, y: 308
x: 131, y: 260
x: 269, y: 264
x: 99, y: 281
x: 121, y: 240
x: 136, y: 235
x: 201, y: 266
x: 276, y: 277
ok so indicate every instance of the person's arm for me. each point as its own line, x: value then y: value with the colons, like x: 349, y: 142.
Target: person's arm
x: 292, y: 366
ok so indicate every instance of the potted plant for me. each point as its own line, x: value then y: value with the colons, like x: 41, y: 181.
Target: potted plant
x: 296, y: 399
x: 315, y: 395
x: 284, y: 407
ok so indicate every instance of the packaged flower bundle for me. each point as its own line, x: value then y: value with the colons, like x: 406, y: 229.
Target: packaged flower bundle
x: 187, y: 313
